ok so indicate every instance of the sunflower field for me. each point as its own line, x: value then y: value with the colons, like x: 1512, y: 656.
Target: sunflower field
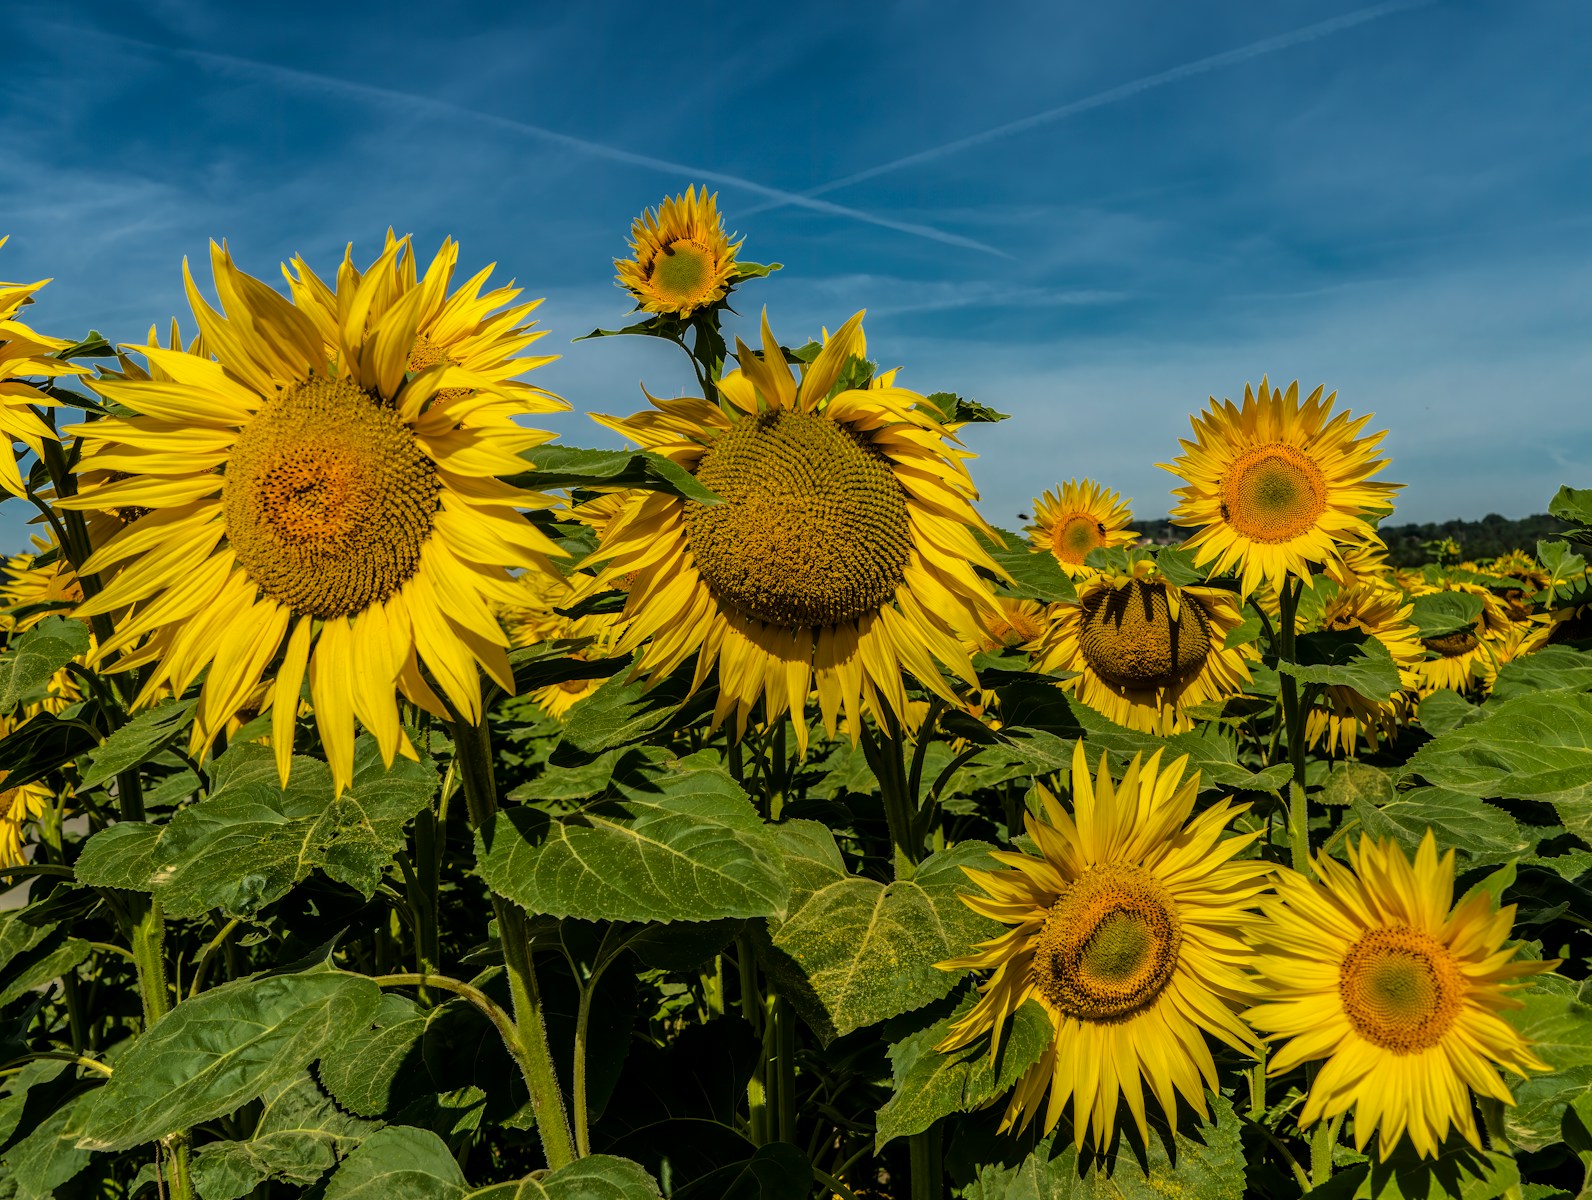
x: 397, y: 804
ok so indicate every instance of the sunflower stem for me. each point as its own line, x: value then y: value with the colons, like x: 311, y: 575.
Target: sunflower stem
x: 885, y: 758
x: 927, y: 1170
x: 1294, y: 728
x: 474, y: 752
x: 1322, y: 1140
x: 757, y: 1016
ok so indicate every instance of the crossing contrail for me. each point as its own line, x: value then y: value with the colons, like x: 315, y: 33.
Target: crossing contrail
x: 1123, y: 91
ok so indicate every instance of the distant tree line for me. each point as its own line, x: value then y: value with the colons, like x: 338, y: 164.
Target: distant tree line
x: 1411, y: 545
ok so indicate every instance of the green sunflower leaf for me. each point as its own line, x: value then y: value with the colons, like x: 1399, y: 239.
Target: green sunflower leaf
x: 1035, y: 574
x: 930, y: 1085
x: 1205, y: 1161
x: 1357, y: 783
x: 250, y: 841
x: 32, y: 659
x: 1553, y: 668
x: 45, y: 743
x: 1348, y: 658
x: 1533, y: 747
x: 1557, y: 1020
x: 1438, y: 613
x: 300, y: 1136
x: 48, y: 1155
x: 571, y: 467
x: 1481, y: 833
x: 851, y: 951
x: 31, y: 955
x: 416, y: 1164
x: 1457, y: 1173
x: 682, y: 843
x: 137, y: 741
x: 211, y: 1054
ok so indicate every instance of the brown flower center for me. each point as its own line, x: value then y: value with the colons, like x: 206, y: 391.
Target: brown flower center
x: 814, y: 528
x: 1273, y: 493
x: 1129, y: 638
x: 328, y: 499
x: 1401, y: 989
x: 1109, y: 945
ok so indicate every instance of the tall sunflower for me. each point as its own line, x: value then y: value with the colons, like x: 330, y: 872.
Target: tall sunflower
x: 843, y: 551
x: 1143, y: 649
x: 1375, y: 970
x: 326, y: 501
x: 1463, y: 659
x: 681, y: 259
x: 1129, y: 928
x: 24, y: 353
x: 1276, y: 486
x: 1077, y: 517
x: 1342, y: 715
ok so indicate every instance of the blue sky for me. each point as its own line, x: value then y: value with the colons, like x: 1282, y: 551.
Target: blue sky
x: 1089, y: 216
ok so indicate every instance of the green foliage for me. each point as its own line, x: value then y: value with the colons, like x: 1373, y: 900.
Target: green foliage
x: 686, y: 845
x: 1205, y: 1161
x: 1348, y: 658
x: 568, y: 467
x: 31, y: 660
x: 930, y: 1085
x: 221, y: 1049
x: 1034, y: 574
x: 251, y: 840
x: 853, y: 951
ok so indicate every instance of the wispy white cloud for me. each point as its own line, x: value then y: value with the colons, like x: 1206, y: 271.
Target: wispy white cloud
x: 326, y: 84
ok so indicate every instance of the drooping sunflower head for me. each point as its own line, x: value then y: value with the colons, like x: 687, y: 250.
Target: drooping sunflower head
x: 1278, y: 486
x: 1143, y: 650
x: 1375, y: 970
x: 842, y: 550
x: 682, y: 261
x: 1524, y: 578
x: 24, y: 354
x: 1464, y: 659
x: 1341, y: 715
x: 313, y: 504
x: 1077, y: 517
x: 1022, y: 624
x: 1126, y: 928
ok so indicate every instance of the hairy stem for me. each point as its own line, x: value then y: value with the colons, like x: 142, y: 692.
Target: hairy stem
x: 480, y: 792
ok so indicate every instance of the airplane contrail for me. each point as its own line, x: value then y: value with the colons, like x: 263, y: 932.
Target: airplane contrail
x: 1123, y: 91
x: 370, y: 92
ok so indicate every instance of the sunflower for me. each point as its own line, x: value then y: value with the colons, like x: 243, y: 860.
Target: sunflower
x: 1144, y: 649
x: 1375, y: 970
x: 30, y: 592
x: 18, y: 805
x: 1461, y: 660
x: 326, y: 501
x: 1278, y: 487
x: 843, y: 551
x: 1342, y: 715
x: 1022, y: 624
x: 1129, y: 929
x: 24, y: 352
x: 682, y: 261
x: 1079, y: 517
x: 1526, y: 578
x: 537, y: 620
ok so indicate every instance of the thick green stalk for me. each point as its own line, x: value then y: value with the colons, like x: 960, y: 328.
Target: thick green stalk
x: 474, y: 752
x: 1294, y: 729
x: 928, y: 1172
x: 1322, y: 1140
x: 885, y: 758
x: 757, y: 1017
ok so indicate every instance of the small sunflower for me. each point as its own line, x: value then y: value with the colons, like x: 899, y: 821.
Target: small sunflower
x: 1129, y: 928
x: 843, y: 552
x: 318, y: 508
x: 1376, y: 971
x: 1526, y: 577
x: 18, y: 806
x: 1079, y: 517
x: 1143, y: 649
x: 24, y: 353
x: 1463, y: 659
x: 1342, y: 715
x: 682, y: 259
x: 30, y: 592
x: 1276, y: 486
x: 1022, y: 624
